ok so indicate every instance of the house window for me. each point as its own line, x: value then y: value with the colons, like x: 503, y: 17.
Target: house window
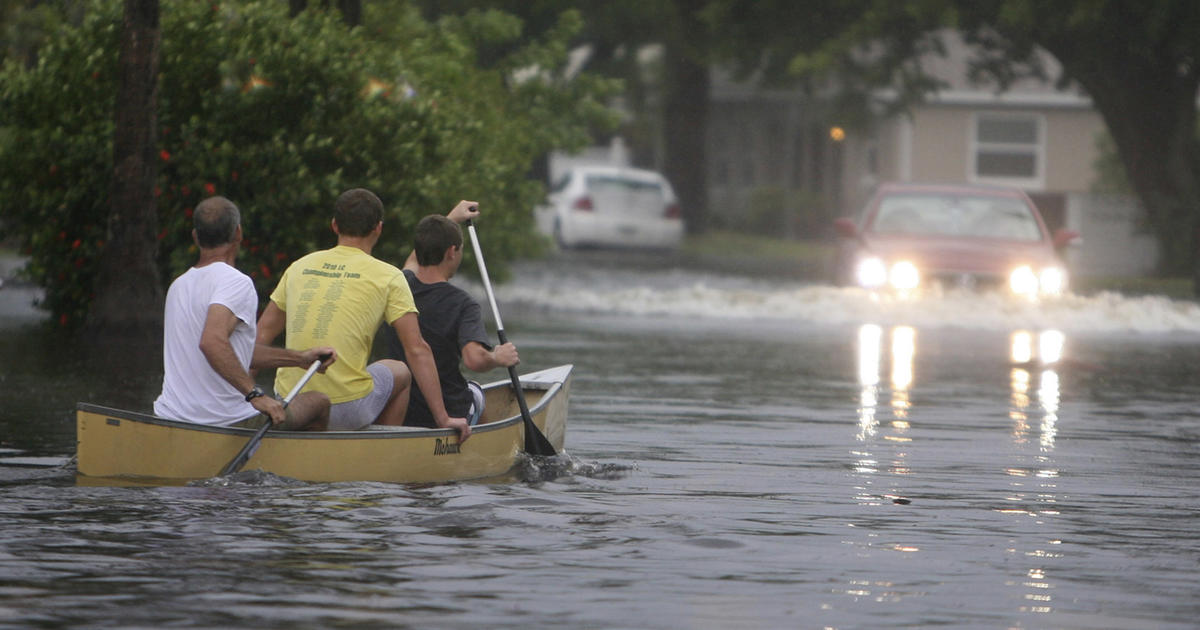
x: 1008, y: 149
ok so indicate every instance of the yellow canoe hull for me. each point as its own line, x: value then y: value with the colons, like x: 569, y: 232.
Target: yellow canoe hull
x: 116, y: 446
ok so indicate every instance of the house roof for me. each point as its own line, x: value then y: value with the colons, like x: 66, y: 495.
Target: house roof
x: 951, y: 70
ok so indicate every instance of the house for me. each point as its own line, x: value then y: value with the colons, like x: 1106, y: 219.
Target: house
x: 793, y: 152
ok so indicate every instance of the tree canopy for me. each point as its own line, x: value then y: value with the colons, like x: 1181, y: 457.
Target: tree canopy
x: 281, y: 114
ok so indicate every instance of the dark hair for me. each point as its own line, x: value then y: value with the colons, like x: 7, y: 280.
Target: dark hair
x: 434, y: 235
x: 216, y: 220
x: 357, y: 212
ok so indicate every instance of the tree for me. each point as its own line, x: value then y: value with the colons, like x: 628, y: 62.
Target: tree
x: 131, y: 297
x: 281, y: 114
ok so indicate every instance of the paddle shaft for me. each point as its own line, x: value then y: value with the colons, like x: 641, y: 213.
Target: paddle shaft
x: 248, y: 450
x: 535, y: 442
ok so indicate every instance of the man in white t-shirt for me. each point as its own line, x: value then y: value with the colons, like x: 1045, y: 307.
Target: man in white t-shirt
x: 209, y: 338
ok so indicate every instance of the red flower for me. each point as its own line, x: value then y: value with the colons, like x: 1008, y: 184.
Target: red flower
x: 187, y: 212
x: 185, y: 190
x: 166, y: 157
x: 62, y: 236
x: 210, y: 189
x: 162, y: 234
x: 234, y: 175
x: 62, y: 320
x: 76, y: 244
x: 266, y: 271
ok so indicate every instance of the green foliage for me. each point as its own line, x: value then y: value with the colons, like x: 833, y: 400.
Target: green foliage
x: 774, y: 211
x: 281, y: 115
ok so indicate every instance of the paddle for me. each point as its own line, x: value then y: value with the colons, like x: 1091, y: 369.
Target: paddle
x: 247, y: 451
x: 535, y: 442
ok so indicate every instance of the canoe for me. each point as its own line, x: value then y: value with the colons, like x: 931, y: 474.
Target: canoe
x: 127, y: 447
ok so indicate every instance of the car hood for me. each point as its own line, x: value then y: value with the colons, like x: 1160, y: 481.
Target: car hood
x: 962, y: 255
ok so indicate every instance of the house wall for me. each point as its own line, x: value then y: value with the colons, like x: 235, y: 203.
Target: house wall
x: 1071, y: 149
x: 935, y: 145
x: 938, y: 149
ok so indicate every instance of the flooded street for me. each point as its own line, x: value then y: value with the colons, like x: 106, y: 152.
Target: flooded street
x: 744, y: 452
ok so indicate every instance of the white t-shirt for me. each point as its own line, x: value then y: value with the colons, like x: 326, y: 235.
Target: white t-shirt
x: 192, y: 389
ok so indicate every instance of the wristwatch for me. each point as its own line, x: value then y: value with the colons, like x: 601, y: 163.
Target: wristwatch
x: 255, y: 393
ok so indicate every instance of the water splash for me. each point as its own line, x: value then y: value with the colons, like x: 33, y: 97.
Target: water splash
x: 248, y: 478
x: 538, y: 469
x: 698, y: 296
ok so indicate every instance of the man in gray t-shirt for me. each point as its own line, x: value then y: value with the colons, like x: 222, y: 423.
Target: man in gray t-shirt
x: 451, y: 320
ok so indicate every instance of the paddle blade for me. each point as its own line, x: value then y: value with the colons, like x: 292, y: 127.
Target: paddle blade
x: 535, y: 441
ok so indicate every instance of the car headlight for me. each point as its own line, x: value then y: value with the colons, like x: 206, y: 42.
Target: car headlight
x: 1053, y: 281
x: 871, y: 273
x: 904, y: 276
x: 874, y: 273
x: 1023, y: 281
x: 1049, y: 281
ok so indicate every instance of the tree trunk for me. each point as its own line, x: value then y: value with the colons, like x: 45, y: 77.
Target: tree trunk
x: 1150, y: 111
x: 351, y: 11
x: 685, y: 124
x: 128, y: 293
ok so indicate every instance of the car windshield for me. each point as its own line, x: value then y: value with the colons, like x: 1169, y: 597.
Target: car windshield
x: 957, y: 215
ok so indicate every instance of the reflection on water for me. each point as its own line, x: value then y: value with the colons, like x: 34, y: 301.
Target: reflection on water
x: 884, y: 442
x: 902, y: 351
x: 1036, y: 481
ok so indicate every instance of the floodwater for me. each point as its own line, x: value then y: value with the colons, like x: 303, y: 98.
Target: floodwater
x: 742, y: 453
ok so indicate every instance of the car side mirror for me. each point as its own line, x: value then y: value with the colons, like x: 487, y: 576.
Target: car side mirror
x: 1063, y: 238
x: 845, y: 228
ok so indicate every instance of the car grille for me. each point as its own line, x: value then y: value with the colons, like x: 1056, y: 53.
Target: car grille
x: 966, y: 281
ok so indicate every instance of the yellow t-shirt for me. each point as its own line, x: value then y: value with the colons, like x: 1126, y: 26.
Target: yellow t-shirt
x: 338, y: 297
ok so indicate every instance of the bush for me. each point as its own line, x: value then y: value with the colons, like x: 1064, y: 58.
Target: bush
x: 281, y: 115
x: 792, y: 213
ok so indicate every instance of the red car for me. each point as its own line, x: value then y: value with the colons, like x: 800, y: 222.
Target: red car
x: 913, y: 237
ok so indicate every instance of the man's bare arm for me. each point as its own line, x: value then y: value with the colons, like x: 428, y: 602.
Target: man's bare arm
x: 219, y: 324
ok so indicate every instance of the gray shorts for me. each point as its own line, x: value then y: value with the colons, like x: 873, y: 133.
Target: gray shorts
x: 356, y: 414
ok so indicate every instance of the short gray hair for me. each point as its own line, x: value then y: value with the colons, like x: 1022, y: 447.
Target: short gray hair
x: 216, y: 220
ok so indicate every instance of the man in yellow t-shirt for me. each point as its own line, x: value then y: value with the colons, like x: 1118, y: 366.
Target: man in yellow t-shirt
x: 339, y: 297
